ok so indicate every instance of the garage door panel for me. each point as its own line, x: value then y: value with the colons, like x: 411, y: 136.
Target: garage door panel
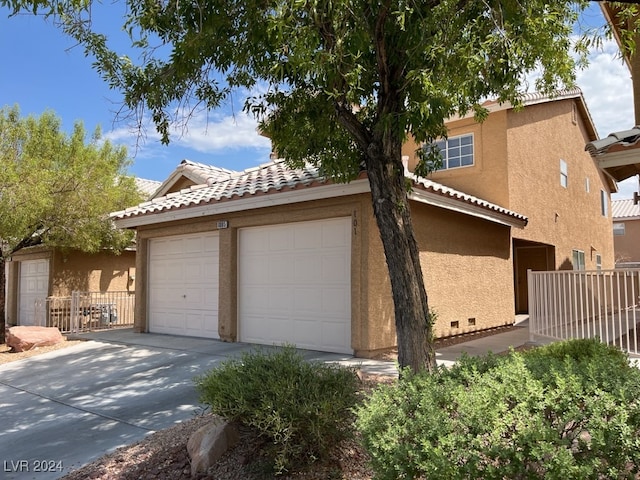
x: 336, y: 302
x: 183, y: 285
x: 281, y: 269
x: 305, y: 236
x: 335, y: 235
x: 300, y: 294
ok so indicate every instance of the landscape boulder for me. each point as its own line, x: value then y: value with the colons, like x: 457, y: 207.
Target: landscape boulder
x: 23, y: 338
x: 207, y: 444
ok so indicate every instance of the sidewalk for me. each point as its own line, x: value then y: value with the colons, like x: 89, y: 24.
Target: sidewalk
x: 500, y: 342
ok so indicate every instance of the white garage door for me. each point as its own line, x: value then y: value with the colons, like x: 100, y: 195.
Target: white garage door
x: 295, y: 285
x: 183, y: 285
x: 34, y: 285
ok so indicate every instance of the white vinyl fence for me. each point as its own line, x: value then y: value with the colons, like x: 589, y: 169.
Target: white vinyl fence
x: 586, y: 304
x: 86, y: 311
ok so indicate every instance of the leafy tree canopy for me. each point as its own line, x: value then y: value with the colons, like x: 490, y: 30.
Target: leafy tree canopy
x: 56, y: 189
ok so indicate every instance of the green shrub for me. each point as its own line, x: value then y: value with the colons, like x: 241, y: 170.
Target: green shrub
x: 569, y: 410
x: 303, y: 408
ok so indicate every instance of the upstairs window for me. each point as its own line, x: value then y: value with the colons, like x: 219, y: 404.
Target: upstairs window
x: 564, y: 174
x: 598, y: 261
x: 456, y: 152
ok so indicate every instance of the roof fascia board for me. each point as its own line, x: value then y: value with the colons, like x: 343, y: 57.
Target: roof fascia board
x: 447, y: 203
x: 625, y: 219
x: 619, y: 159
x: 241, y: 204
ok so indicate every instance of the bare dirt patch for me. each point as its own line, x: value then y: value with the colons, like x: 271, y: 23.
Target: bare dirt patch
x: 6, y: 355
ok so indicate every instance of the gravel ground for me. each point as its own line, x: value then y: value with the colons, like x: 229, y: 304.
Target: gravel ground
x: 163, y: 455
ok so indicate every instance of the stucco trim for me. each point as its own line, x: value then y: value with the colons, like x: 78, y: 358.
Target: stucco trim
x: 242, y: 204
x: 436, y: 200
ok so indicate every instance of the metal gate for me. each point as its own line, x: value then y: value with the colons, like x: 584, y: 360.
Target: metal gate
x: 586, y: 304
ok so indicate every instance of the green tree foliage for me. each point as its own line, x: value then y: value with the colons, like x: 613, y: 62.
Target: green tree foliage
x: 57, y: 190
x: 344, y: 82
x: 568, y: 411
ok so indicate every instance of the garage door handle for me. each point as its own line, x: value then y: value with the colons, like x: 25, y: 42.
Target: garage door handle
x: 184, y: 296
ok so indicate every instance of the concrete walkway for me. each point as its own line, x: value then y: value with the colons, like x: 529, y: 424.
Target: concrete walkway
x: 70, y: 406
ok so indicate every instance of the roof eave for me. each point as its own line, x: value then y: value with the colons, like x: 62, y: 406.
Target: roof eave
x: 456, y: 205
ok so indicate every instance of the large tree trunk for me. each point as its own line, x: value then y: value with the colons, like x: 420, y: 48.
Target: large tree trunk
x: 2, y: 300
x: 393, y: 216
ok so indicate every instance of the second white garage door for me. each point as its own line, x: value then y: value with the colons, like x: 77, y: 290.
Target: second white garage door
x: 294, y: 285
x: 183, y: 285
x: 34, y: 285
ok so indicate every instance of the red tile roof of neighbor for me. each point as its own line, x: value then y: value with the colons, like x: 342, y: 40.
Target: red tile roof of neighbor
x: 275, y: 178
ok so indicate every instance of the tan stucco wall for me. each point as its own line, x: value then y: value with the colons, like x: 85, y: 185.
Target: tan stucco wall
x: 567, y: 218
x: 467, y: 269
x: 487, y: 178
x: 72, y: 270
x: 517, y: 166
x: 98, y: 272
x: 627, y: 246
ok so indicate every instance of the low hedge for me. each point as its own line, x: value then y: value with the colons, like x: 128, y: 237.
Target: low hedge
x: 567, y: 410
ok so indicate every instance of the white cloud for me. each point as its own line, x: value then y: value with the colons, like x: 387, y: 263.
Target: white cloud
x: 606, y: 85
x: 205, y: 133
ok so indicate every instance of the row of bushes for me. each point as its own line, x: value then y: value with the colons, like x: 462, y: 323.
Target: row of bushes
x: 567, y: 410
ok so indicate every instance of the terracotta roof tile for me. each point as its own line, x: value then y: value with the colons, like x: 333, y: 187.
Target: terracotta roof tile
x: 274, y: 177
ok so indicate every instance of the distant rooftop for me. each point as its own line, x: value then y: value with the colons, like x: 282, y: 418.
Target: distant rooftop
x: 625, y: 209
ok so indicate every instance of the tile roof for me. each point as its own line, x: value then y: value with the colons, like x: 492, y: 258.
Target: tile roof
x: 618, y: 154
x: 276, y: 177
x: 147, y: 187
x: 614, y: 142
x: 445, y: 191
x: 206, y: 173
x: 621, y: 209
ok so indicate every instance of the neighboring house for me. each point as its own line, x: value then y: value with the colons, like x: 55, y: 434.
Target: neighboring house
x: 626, y: 233
x: 533, y: 161
x: 619, y: 155
x: 38, y: 273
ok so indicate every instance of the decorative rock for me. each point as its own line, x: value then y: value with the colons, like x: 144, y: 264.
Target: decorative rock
x: 23, y: 338
x: 207, y: 444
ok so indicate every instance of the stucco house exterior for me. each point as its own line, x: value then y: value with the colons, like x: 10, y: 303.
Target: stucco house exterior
x: 273, y: 255
x: 533, y: 161
x: 38, y: 273
x: 626, y: 233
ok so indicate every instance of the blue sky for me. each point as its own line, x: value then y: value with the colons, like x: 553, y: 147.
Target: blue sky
x: 42, y: 70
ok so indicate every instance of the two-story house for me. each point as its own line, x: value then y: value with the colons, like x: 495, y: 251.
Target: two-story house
x: 533, y: 161
x: 273, y: 255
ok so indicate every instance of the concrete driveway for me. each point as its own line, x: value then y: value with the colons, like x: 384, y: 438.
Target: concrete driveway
x: 63, y: 409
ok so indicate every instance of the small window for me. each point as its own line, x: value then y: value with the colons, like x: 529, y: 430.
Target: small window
x: 618, y: 228
x: 598, y: 261
x: 564, y: 174
x: 456, y: 152
x: 578, y: 260
x: 604, y: 203
x: 587, y: 186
